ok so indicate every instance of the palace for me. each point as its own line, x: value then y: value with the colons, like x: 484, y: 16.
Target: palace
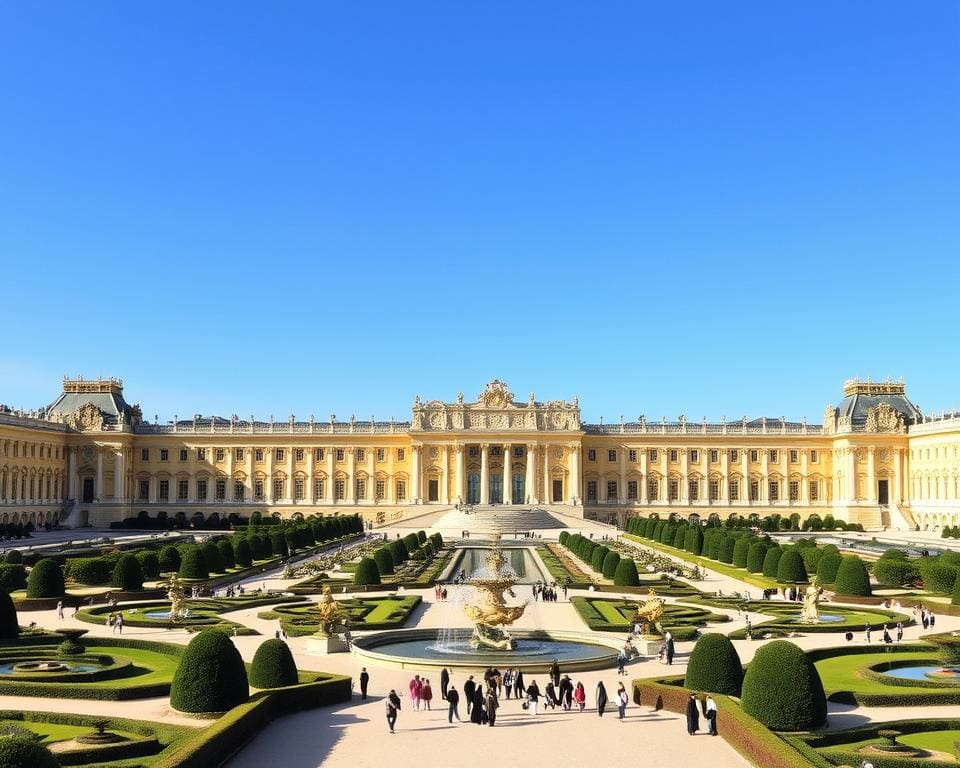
x: 90, y: 458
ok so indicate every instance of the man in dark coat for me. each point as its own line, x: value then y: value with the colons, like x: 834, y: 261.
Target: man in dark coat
x: 469, y: 688
x: 453, y: 699
x: 693, y: 715
x: 393, y: 707
x: 519, y: 689
x: 444, y: 682
x: 492, y: 705
x: 364, y: 682
x: 566, y: 692
x: 555, y: 673
x: 601, y: 698
x: 670, y: 648
x: 476, y: 711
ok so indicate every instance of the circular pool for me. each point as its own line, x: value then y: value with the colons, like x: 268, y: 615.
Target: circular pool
x: 536, y: 650
x: 925, y: 672
x: 823, y: 618
x: 45, y: 667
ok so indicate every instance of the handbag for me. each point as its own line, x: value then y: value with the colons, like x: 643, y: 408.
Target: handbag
x: 525, y: 705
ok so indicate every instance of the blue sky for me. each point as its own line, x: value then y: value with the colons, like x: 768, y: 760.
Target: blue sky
x: 700, y: 208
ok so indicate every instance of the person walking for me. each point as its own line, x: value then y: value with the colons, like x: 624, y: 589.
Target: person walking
x: 533, y: 697
x: 476, y: 714
x: 693, y: 715
x: 426, y: 693
x: 622, y: 700
x: 491, y: 704
x: 580, y: 696
x: 119, y: 623
x: 550, y: 696
x: 469, y: 688
x: 621, y: 661
x: 601, y: 698
x: 669, y: 648
x: 899, y: 631
x: 393, y: 708
x: 453, y: 699
x: 711, y: 707
x: 555, y: 673
x: 507, y: 681
x: 444, y: 682
x: 866, y: 632
x: 59, y: 609
x: 566, y: 692
x: 364, y: 682
x: 416, y: 688
x: 518, y: 687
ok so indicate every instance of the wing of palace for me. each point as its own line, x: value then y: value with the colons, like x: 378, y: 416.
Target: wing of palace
x: 91, y: 457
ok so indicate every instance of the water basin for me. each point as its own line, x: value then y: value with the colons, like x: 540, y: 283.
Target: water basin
x: 925, y: 672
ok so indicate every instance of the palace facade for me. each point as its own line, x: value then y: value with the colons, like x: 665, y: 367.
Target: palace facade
x: 90, y: 457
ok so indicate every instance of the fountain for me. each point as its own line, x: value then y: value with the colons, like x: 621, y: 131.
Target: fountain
x: 330, y: 617
x: 490, y: 613
x: 648, y: 614
x: 947, y: 673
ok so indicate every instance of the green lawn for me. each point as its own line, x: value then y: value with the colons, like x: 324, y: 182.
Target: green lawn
x: 844, y: 673
x: 52, y: 732
x: 364, y: 613
x: 940, y: 741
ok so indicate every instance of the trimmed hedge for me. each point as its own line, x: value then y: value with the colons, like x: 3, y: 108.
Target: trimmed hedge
x: 169, y: 559
x: 14, y: 557
x: 790, y: 569
x: 384, y: 560
x: 128, y: 575
x: 827, y: 568
x: 242, y: 554
x: 9, y: 628
x: 610, y: 563
x: 367, y: 572
x: 626, y: 574
x: 210, y: 677
x: 226, y: 553
x: 192, y: 564
x: 852, y: 577
x: 741, y: 551
x: 938, y: 577
x: 714, y: 666
x: 755, y: 557
x: 273, y: 666
x: 213, y: 558
x: 783, y: 690
x: 12, y: 577
x: 771, y: 562
x: 896, y: 571
x: 90, y: 570
x: 149, y: 563
x: 596, y: 558
x: 25, y: 752
x: 45, y: 580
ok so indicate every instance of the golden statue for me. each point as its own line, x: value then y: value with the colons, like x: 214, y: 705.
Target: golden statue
x: 329, y: 613
x: 491, y: 613
x: 648, y: 614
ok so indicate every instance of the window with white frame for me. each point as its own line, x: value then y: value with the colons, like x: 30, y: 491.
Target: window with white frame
x: 258, y: 490
x: 401, y: 489
x: 319, y: 454
x: 653, y: 490
x: 258, y: 455
x: 381, y: 455
x: 694, y: 456
x: 298, y: 454
x: 164, y: 490
x: 339, y: 489
x: 774, y: 455
x: 694, y: 488
x: 814, y: 490
x: 591, y: 455
x: 278, y: 454
x: 183, y: 454
x: 632, y: 490
x: 714, y: 490
x: 164, y: 454
x: 361, y: 489
x: 339, y: 454
x: 632, y: 456
x: 238, y: 454
x: 239, y: 490
x: 674, y: 488
x: 714, y: 456
x: 754, y: 456
x: 319, y: 490
x: 361, y: 455
x: 733, y: 490
x: 754, y: 490
x: 774, y: 487
x: 144, y: 454
x: 183, y: 490
x: 794, y: 490
x: 734, y: 454
x: 277, y: 488
x: 144, y: 490
x: 814, y: 456
x: 612, y: 490
x: 201, y: 489
x: 794, y: 456
x: 220, y: 455
x: 611, y: 455
x: 221, y: 489
x: 401, y: 453
x: 381, y: 489
x: 674, y: 455
x: 298, y: 484
x: 653, y: 454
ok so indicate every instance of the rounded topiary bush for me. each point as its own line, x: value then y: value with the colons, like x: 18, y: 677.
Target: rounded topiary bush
x: 169, y: 559
x: 9, y: 627
x: 596, y: 558
x: 273, y: 666
x: 210, y: 676
x: 13, y: 576
x: 852, y: 577
x: 242, y: 554
x: 192, y: 564
x: 149, y: 563
x: 25, y: 752
x: 755, y: 556
x: 771, y: 561
x: 45, y: 580
x: 727, y: 546
x: 896, y: 572
x: 741, y: 551
x: 213, y: 558
x: 626, y: 574
x: 937, y: 577
x: 610, y: 563
x: 226, y: 553
x: 384, y: 561
x: 782, y: 689
x: 367, y: 572
x: 827, y: 568
x: 13, y: 557
x: 790, y: 569
x: 127, y: 574
x: 714, y: 666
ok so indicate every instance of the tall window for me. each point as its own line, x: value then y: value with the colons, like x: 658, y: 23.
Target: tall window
x: 794, y: 456
x: 695, y: 456
x: 258, y: 490
x: 183, y: 454
x: 754, y: 455
x: 401, y: 453
x: 794, y: 488
x: 653, y: 454
x: 339, y: 489
x: 319, y: 491
x: 183, y: 490
x: 591, y: 455
x: 298, y: 488
x: 611, y: 455
x: 694, y: 486
x: 518, y: 451
x: 734, y: 454
x: 381, y: 490
x: 144, y: 490
x: 164, y: 454
x: 319, y: 454
x: 774, y: 491
x: 201, y: 454
x: 714, y: 490
x: 298, y: 454
x: 814, y: 490
x: 258, y: 455
x: 164, y: 490
x: 361, y: 489
x: 733, y: 490
x: 632, y: 456
x: 201, y: 490
x: 674, y: 489
x: 339, y: 454
x: 674, y: 456
x: 361, y: 455
x: 653, y: 490
x: 381, y: 455
x: 238, y: 454
x: 612, y: 490
x: 631, y: 490
x: 814, y: 456
x: 754, y: 490
x: 592, y: 491
x: 238, y: 490
x: 714, y: 456
x: 220, y: 455
x: 774, y: 455
x: 220, y: 489
x: 277, y: 488
x: 278, y: 454
x: 401, y: 488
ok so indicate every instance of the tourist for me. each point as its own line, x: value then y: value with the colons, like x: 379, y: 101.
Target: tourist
x: 393, y: 707
x: 426, y: 693
x: 622, y: 700
x: 555, y: 672
x: 476, y: 712
x: 364, y: 682
x: 453, y: 700
x: 550, y: 695
x: 580, y: 696
x: 416, y: 688
x: 533, y: 696
x: 118, y: 624
x: 468, y: 690
x: 565, y: 692
x: 710, y: 707
x: 621, y: 661
x: 518, y: 687
x: 491, y: 704
x: 886, y: 635
x: 899, y: 631
x: 931, y: 619
x: 444, y: 682
x: 59, y: 609
x: 866, y: 632
x: 601, y: 698
x: 669, y: 648
x: 693, y: 715
x: 508, y: 681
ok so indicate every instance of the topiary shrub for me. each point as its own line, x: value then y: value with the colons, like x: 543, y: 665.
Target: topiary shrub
x: 755, y: 555
x: 127, y: 574
x: 714, y: 666
x: 45, y: 580
x: 210, y: 676
x: 213, y: 558
x: 725, y: 552
x: 90, y: 570
x: 782, y: 689
x: 384, y: 561
x: 896, y: 572
x: 367, y: 572
x: 790, y: 568
x: 852, y: 577
x: 827, y: 568
x: 13, y: 557
x: 610, y: 563
x: 273, y: 666
x: 399, y: 551
x: 937, y: 577
x: 626, y: 574
x: 12, y: 577
x: 596, y: 558
x: 226, y: 553
x: 9, y: 627
x: 242, y: 554
x: 169, y: 559
x: 25, y: 752
x: 741, y: 550
x: 412, y: 542
x: 149, y: 563
x: 771, y: 561
x: 192, y: 564
x: 437, y: 541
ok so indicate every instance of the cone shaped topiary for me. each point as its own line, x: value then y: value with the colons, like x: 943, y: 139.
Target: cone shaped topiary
x: 169, y: 559
x: 727, y: 546
x: 367, y: 572
x: 782, y: 689
x: 714, y: 666
x: 790, y: 569
x: 210, y: 676
x: 771, y: 562
x: 24, y: 752
x: 827, y: 568
x: 610, y: 563
x: 758, y: 551
x: 384, y: 561
x: 149, y: 563
x: 626, y: 573
x: 192, y: 564
x: 9, y: 627
x: 741, y: 550
x: 273, y: 666
x: 213, y: 558
x: 242, y: 554
x: 852, y: 577
x: 596, y: 558
x: 127, y: 574
x: 45, y: 580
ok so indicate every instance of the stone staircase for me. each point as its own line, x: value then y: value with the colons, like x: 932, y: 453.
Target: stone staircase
x: 502, y: 519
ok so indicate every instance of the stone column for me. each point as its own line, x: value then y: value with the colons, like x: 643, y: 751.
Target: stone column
x: 415, y: 474
x: 329, y: 492
x: 371, y: 473
x: 684, y: 495
x: 484, y: 474
x: 851, y: 474
x: 804, y: 477
x: 251, y: 468
x: 391, y: 480
x: 575, y: 473
x: 530, y: 480
x: 644, y: 477
x: 506, y: 473
x: 765, y: 475
x: 228, y: 489
x: 897, y: 493
x: 665, y: 474
x: 547, y: 489
x: 118, y: 475
x: 622, y: 484
x: 291, y: 468
x: 268, y: 485
x: 98, y: 490
x: 351, y: 476
x: 311, y: 462
x: 459, y: 490
x: 72, y: 477
x: 445, y: 475
x: 871, y: 475
x: 745, y: 471
x: 153, y: 489
x: 724, y: 495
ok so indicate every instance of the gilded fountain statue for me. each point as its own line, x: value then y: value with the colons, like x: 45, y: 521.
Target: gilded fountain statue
x: 490, y: 613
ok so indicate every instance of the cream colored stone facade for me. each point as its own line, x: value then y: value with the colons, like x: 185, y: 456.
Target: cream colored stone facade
x: 90, y: 457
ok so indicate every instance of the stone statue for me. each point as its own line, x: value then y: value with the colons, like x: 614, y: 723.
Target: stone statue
x: 811, y: 613
x: 490, y: 613
x: 177, y: 598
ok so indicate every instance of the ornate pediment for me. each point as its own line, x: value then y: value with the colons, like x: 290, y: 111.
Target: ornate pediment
x: 86, y: 418
x: 884, y: 418
x: 495, y: 395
